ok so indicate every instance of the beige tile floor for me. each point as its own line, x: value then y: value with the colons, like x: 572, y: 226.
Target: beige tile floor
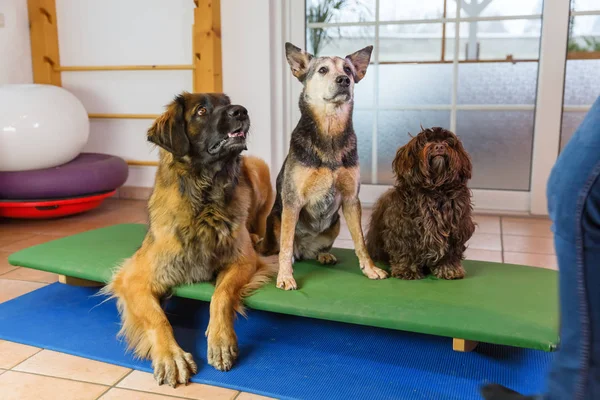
x: 32, y: 373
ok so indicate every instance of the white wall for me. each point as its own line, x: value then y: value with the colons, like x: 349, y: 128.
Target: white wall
x: 247, y: 69
x: 15, y: 50
x: 142, y: 32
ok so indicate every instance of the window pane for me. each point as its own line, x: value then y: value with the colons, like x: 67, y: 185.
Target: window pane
x: 414, y: 85
x: 582, y: 82
x: 570, y: 123
x: 582, y: 75
x: 394, y: 10
x: 421, y: 42
x: 393, y: 131
x: 500, y: 145
x: 495, y: 40
x: 329, y: 11
x: 497, y: 8
x: 339, y: 41
x: 584, y: 33
x: 363, y: 126
x: 497, y: 83
x: 585, y: 5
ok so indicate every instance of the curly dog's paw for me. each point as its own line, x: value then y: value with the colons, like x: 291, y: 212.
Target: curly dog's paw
x: 326, y: 258
x: 449, y: 271
x: 408, y: 274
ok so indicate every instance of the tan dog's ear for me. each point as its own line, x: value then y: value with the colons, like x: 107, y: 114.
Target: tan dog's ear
x: 168, y: 131
x: 298, y: 60
x: 360, y: 60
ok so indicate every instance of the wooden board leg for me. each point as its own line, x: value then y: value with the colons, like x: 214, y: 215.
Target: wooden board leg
x: 70, y: 280
x: 463, y: 345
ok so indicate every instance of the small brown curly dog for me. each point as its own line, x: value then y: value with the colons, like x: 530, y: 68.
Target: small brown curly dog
x: 422, y: 224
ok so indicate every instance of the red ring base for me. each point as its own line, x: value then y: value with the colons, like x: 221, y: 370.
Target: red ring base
x: 46, y: 209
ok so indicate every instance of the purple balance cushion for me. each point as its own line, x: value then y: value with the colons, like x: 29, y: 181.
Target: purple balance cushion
x: 88, y: 173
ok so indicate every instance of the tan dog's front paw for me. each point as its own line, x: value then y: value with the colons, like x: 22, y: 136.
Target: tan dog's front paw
x: 222, y: 355
x: 372, y: 272
x: 286, y: 282
x: 174, y: 367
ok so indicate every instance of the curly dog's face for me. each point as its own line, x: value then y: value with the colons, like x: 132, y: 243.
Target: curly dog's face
x: 204, y: 127
x: 433, y: 158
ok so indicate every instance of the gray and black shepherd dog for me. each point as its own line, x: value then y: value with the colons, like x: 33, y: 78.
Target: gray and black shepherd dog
x: 321, y: 171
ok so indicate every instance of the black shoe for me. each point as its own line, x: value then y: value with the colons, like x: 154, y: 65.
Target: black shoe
x: 499, y: 392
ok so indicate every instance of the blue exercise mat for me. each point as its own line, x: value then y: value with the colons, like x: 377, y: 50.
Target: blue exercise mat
x: 280, y: 355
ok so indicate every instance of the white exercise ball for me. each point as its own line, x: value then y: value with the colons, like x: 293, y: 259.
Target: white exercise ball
x: 41, y: 126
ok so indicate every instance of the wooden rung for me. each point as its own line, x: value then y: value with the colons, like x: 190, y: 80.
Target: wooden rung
x: 463, y: 345
x: 142, y: 163
x: 59, y: 68
x: 502, y: 60
x: 206, y: 44
x: 70, y: 280
x: 43, y: 35
x: 123, y: 116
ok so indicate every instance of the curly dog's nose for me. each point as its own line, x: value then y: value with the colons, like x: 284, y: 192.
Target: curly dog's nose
x: 439, y: 148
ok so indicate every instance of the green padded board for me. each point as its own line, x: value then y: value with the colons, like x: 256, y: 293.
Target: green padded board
x: 496, y: 303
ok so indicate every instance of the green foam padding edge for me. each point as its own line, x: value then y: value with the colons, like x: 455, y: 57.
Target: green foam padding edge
x: 496, y: 303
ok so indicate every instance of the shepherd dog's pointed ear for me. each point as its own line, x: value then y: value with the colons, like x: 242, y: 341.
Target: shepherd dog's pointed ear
x: 298, y: 60
x: 168, y: 131
x: 360, y: 60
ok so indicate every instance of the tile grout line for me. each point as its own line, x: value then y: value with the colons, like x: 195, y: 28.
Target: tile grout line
x: 22, y: 361
x: 107, y: 387
x: 123, y: 377
x: 116, y: 383
x: 531, y: 236
x: 4, y: 273
x: 114, y: 386
x: 25, y: 280
x: 58, y: 377
x: 531, y: 252
x: 501, y: 241
x: 154, y: 393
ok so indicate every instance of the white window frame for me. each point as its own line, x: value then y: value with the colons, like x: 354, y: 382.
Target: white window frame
x: 548, y: 107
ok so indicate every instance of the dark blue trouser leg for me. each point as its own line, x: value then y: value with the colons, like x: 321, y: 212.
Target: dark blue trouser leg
x: 574, y: 204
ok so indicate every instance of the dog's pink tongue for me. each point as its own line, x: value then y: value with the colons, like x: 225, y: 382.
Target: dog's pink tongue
x: 235, y: 134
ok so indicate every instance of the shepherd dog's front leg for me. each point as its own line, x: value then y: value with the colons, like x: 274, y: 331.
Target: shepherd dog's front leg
x: 289, y: 219
x: 348, y: 184
x: 352, y: 213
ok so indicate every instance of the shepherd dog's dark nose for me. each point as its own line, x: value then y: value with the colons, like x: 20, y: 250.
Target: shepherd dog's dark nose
x: 343, y: 81
x: 237, y: 112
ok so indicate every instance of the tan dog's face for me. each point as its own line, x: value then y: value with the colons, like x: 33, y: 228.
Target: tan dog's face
x: 328, y: 80
x: 205, y: 127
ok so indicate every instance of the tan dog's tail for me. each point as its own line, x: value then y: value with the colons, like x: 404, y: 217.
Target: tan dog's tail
x: 267, y: 268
